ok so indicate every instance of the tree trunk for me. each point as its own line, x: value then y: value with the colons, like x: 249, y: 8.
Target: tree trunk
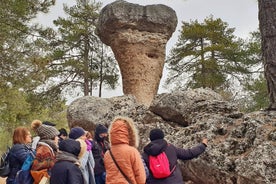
x: 267, y: 23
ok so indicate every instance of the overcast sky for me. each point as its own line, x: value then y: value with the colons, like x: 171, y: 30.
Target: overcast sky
x: 239, y: 14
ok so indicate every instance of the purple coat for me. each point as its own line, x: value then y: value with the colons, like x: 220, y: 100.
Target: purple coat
x: 173, y: 153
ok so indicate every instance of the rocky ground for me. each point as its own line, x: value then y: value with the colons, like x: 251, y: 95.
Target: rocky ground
x: 241, y: 146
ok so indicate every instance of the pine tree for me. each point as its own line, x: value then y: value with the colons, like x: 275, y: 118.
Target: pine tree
x: 207, y: 55
x: 79, y: 59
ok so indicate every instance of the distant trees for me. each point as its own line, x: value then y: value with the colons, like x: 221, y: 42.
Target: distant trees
x: 78, y: 58
x: 209, y: 55
x: 21, y: 66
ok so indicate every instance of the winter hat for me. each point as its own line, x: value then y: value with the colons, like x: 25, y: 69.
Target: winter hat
x: 44, y: 131
x: 48, y: 123
x: 83, y: 149
x: 100, y: 129
x: 76, y: 132
x: 63, y: 132
x: 70, y: 146
x: 156, y: 134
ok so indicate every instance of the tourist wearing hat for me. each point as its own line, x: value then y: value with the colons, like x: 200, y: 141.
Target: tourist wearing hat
x: 86, y: 160
x: 67, y: 167
x: 48, y: 123
x: 100, y: 146
x: 123, y: 137
x: 158, y: 144
x: 45, y: 151
x: 62, y: 134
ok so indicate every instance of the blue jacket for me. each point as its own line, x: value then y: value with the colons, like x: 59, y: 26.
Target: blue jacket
x: 17, y: 156
x: 173, y: 153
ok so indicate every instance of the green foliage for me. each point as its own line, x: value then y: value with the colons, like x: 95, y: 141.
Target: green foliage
x: 257, y: 90
x: 22, y: 69
x: 77, y: 57
x: 207, y: 55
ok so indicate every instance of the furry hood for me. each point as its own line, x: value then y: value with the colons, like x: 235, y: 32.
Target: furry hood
x: 123, y: 131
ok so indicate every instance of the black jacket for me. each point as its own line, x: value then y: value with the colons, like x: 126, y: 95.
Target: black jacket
x: 173, y: 153
x: 66, y: 172
x: 99, y: 147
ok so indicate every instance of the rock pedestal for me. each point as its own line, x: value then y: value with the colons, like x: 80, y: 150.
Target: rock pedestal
x: 138, y: 36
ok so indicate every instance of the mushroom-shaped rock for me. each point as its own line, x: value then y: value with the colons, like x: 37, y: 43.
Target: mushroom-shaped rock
x: 138, y: 36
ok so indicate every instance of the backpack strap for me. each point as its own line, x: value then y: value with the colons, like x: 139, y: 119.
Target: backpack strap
x: 119, y: 167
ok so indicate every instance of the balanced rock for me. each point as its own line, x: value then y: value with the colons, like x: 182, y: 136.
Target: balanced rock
x: 138, y: 36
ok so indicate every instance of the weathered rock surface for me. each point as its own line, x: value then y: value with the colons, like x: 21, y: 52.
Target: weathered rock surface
x: 241, y: 146
x: 138, y: 36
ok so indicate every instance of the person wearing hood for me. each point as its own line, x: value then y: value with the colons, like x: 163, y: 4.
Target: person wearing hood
x: 100, y: 146
x: 46, y: 150
x: 123, y: 137
x: 158, y: 145
x: 87, y: 161
x: 66, y: 169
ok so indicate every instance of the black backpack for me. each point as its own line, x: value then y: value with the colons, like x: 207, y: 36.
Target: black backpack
x: 4, y: 164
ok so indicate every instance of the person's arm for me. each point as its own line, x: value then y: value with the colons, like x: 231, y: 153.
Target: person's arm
x: 139, y: 169
x: 187, y: 154
x: 21, y: 154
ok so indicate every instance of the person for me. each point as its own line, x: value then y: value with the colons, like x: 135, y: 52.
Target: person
x: 46, y: 150
x: 158, y: 144
x: 48, y: 123
x: 19, y: 151
x: 87, y: 160
x: 100, y: 146
x: 62, y: 134
x: 123, y: 137
x: 67, y: 167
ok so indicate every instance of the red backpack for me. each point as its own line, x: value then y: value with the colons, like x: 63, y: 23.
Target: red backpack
x: 160, y: 166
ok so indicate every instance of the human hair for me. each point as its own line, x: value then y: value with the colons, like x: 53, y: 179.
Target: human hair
x: 20, y: 134
x: 89, y: 135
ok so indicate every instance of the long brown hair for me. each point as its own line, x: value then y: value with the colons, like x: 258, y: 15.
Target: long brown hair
x: 20, y: 135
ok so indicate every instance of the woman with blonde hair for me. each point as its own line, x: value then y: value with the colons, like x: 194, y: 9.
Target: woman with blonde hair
x: 19, y: 151
x: 123, y: 161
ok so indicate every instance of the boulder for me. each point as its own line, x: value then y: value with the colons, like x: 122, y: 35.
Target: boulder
x: 241, y: 147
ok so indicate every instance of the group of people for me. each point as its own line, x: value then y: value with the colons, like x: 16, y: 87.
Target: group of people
x: 79, y: 158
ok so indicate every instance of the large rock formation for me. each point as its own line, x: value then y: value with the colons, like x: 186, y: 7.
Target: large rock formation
x: 241, y: 146
x: 138, y: 36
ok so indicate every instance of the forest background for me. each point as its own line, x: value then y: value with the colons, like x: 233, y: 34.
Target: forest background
x: 51, y: 56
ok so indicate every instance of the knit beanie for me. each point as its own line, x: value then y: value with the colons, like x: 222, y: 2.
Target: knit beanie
x: 100, y: 129
x: 156, y: 134
x: 44, y: 131
x: 70, y: 146
x: 76, y: 132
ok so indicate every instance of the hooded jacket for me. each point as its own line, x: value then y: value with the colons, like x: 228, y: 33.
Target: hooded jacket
x: 173, y: 153
x: 124, y: 142
x: 100, y: 145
